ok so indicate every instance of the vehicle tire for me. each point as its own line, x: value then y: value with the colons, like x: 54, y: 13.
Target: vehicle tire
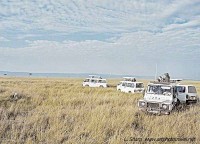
x: 119, y: 90
x: 129, y: 92
x: 197, y: 99
x: 168, y: 113
x: 187, y: 102
x: 101, y: 86
x: 159, y: 114
x: 86, y: 85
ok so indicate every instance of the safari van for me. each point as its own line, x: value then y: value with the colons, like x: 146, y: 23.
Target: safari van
x: 129, y: 85
x: 94, y: 81
x: 187, y: 94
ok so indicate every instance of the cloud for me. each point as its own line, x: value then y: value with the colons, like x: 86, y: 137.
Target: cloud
x: 191, y: 24
x: 25, y: 36
x: 3, y: 39
x: 130, y: 53
x: 175, y: 7
x: 101, y: 36
x: 91, y: 16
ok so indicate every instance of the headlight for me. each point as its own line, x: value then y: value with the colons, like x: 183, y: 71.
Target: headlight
x: 164, y: 106
x: 142, y: 104
x: 192, y: 97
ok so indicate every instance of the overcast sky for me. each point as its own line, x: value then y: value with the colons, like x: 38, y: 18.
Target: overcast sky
x: 101, y: 36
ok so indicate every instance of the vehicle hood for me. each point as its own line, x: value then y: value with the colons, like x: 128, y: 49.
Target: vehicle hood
x: 192, y: 94
x: 158, y: 98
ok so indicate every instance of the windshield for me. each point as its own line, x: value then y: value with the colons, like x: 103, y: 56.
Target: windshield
x: 139, y: 85
x: 159, y: 89
x: 120, y: 83
x: 192, y: 89
x: 86, y: 80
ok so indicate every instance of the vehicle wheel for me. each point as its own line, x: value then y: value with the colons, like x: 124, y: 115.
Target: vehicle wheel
x: 167, y: 113
x: 159, y: 114
x: 129, y: 92
x: 101, y: 86
x: 118, y: 89
x: 87, y: 85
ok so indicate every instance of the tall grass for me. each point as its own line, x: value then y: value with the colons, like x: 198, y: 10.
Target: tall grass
x: 34, y: 110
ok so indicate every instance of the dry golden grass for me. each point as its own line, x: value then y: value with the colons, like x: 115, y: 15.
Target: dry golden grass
x: 62, y: 111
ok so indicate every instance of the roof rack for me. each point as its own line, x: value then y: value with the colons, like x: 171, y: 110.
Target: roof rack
x: 175, y: 80
x: 95, y: 76
x: 129, y: 79
x: 156, y: 82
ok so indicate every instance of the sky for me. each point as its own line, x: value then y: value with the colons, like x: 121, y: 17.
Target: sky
x: 128, y: 37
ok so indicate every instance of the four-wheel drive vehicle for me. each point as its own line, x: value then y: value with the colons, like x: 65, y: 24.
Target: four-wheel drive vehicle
x: 187, y: 94
x: 160, y: 97
x: 130, y: 87
x: 95, y: 81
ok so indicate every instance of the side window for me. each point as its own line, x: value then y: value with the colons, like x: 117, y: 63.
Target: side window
x: 174, y: 92
x: 139, y: 85
x: 130, y: 85
x: 183, y: 90
x: 123, y: 84
x: 180, y: 89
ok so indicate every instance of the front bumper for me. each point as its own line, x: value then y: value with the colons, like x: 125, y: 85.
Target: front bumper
x: 156, y: 108
x: 155, y: 111
x: 192, y: 99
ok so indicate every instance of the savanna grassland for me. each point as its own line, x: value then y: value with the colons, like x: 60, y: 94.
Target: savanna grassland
x: 49, y: 110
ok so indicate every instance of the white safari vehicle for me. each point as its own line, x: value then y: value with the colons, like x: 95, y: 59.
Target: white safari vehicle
x: 95, y: 81
x: 187, y: 94
x: 129, y: 85
x: 160, y: 97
